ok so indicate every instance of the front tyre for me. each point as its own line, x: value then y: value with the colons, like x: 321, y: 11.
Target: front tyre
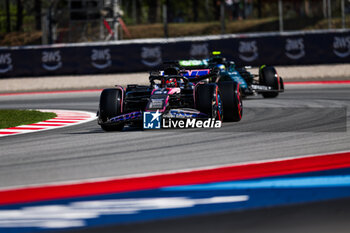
x: 111, y: 101
x: 232, y: 101
x: 208, y: 100
x: 281, y: 84
x: 269, y: 77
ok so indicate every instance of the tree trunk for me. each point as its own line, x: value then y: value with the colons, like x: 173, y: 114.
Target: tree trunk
x: 138, y: 11
x: 170, y: 11
x: 165, y: 18
x: 259, y: 9
x: 19, y: 15
x: 8, y: 16
x: 195, y: 10
x: 216, y: 7
x: 222, y: 17
x: 37, y: 9
x: 244, y: 9
x: 152, y: 11
x: 307, y: 8
x: 134, y: 13
x: 208, y: 13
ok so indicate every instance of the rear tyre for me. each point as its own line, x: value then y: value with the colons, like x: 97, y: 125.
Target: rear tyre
x: 268, y: 76
x: 209, y: 101
x: 232, y: 101
x: 110, y: 106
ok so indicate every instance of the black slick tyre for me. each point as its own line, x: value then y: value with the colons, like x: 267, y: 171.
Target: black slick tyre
x: 111, y: 101
x: 281, y: 84
x: 232, y: 101
x: 268, y: 77
x: 208, y: 100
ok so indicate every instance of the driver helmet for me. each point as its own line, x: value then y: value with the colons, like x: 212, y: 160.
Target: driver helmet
x: 172, y: 82
x: 221, y: 67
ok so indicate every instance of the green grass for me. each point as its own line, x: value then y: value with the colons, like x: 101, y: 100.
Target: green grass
x: 12, y: 118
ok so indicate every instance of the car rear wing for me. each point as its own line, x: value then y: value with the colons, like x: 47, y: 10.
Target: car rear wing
x: 187, y: 64
x: 186, y: 75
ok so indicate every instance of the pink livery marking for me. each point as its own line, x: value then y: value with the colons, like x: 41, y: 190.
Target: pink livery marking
x: 172, y: 91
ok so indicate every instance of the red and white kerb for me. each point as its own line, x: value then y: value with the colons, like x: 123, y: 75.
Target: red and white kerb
x: 64, y: 118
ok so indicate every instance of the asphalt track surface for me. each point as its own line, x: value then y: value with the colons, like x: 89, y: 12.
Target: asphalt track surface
x: 301, y: 121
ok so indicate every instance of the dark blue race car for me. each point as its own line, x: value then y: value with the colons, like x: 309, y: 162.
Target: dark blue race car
x: 267, y: 83
x: 174, y: 94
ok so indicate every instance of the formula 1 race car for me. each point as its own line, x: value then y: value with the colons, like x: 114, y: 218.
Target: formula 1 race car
x: 175, y: 94
x: 267, y: 83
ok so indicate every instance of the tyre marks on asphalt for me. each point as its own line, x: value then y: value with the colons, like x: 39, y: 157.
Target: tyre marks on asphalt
x: 64, y: 118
